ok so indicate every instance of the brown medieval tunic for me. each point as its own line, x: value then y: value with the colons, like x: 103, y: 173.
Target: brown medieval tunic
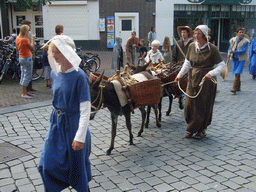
x: 198, y: 111
x: 176, y: 54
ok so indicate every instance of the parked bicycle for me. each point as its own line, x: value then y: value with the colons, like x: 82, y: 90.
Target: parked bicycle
x: 9, y: 64
x: 38, y: 69
x: 90, y: 62
x: 96, y: 58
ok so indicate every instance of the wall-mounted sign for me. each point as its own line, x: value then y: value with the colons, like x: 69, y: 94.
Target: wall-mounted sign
x: 110, y: 32
x: 102, y: 24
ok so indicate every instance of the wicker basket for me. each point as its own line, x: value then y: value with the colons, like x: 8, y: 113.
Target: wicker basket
x: 146, y: 92
x: 93, y: 76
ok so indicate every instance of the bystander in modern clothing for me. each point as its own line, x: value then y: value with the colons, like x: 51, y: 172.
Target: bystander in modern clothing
x: 131, y: 47
x: 24, y: 47
x: 143, y: 52
x: 167, y: 49
x: 29, y: 36
x: 47, y: 67
x: 11, y: 39
x: 151, y: 36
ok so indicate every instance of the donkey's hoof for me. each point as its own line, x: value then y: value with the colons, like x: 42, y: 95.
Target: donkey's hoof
x: 159, y: 125
x: 146, y: 125
x: 159, y: 119
x: 168, y: 113
x: 108, y: 151
x: 131, y: 142
x: 139, y: 134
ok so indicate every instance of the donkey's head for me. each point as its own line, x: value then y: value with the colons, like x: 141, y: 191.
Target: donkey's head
x: 97, y: 99
x: 137, y: 69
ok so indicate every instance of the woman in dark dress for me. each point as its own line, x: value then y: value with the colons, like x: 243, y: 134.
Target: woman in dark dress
x: 199, y: 63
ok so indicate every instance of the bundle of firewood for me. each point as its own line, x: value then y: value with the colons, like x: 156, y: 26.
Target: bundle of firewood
x: 124, y: 77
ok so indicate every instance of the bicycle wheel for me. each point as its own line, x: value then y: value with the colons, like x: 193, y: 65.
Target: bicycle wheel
x: 91, y: 65
x: 1, y: 77
x: 37, y: 73
x: 97, y: 59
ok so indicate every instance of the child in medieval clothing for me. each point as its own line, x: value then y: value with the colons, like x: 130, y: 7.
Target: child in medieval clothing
x: 143, y: 52
x: 47, y: 67
x: 117, y: 59
x: 65, y: 160
x: 154, y: 54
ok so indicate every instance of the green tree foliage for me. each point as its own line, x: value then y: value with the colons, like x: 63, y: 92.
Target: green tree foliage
x: 24, y: 4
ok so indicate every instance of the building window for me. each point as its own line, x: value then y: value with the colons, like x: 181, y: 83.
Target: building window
x: 19, y: 19
x: 189, y: 15
x: 126, y: 25
x: 39, y: 26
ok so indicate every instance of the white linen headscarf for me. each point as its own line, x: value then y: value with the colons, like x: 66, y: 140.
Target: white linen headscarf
x: 67, y: 47
x: 204, y: 29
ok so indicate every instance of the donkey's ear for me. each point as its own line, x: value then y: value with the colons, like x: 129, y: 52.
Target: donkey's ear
x: 97, y: 82
x: 131, y: 66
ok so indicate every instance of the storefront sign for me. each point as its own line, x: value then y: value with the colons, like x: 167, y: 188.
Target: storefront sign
x: 110, y: 32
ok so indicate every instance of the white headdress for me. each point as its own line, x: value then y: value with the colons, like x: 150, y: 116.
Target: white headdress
x: 67, y: 47
x: 204, y: 29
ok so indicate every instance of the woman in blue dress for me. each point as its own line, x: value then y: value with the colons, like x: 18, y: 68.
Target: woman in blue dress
x: 252, y: 55
x: 239, y: 48
x: 64, y: 160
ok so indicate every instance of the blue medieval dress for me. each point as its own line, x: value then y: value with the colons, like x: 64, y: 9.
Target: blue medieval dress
x: 238, y: 66
x: 60, y: 166
x: 252, y: 55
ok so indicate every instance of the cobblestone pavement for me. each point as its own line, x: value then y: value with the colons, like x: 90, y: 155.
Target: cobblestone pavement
x: 161, y: 160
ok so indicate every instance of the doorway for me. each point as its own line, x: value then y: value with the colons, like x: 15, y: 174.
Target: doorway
x: 220, y: 30
x: 125, y: 23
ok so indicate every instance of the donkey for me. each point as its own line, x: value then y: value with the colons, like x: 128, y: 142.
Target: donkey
x: 103, y: 93
x: 166, y: 93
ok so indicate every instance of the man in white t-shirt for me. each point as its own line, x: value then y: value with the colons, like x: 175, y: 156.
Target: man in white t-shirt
x: 151, y: 36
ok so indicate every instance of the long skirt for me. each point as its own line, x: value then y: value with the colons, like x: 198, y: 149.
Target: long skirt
x: 60, y: 166
x: 198, y: 111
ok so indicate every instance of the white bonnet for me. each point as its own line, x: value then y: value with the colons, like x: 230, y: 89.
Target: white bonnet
x: 67, y: 47
x: 204, y: 29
